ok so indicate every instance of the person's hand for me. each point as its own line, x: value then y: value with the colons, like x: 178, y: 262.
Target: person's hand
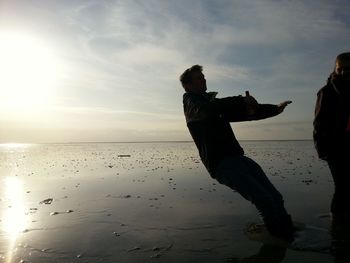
x: 251, y: 104
x: 283, y: 105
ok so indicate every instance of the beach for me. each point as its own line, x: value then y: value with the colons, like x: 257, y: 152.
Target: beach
x: 148, y: 202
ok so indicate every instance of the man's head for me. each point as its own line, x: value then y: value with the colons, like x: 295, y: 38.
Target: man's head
x: 342, y: 66
x: 193, y: 79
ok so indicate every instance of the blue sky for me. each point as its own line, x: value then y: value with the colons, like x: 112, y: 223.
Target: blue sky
x: 113, y: 66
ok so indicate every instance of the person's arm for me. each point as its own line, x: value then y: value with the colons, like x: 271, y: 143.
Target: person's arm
x: 239, y: 108
x: 197, y: 108
x: 232, y: 109
x: 269, y: 110
x: 321, y: 125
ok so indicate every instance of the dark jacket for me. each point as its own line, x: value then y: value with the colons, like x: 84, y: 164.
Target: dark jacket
x: 208, y: 120
x: 331, y: 123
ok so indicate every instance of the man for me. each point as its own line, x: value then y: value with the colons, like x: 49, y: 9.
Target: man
x: 208, y: 120
x: 332, y: 132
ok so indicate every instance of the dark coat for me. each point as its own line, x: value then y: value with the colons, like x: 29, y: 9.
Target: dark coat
x: 331, y: 123
x: 208, y: 120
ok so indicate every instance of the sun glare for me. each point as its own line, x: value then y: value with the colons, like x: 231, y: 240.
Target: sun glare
x: 14, y: 220
x: 29, y: 72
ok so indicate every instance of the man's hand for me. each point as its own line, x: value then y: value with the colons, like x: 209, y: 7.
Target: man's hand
x: 283, y: 105
x: 251, y: 103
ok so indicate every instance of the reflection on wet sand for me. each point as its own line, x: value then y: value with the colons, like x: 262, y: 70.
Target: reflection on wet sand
x: 266, y: 254
x: 14, y: 219
x: 341, y: 240
x: 144, y: 202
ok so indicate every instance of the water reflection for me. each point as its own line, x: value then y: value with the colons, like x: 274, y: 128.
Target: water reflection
x: 266, y: 254
x: 14, y: 219
x: 341, y: 240
x: 14, y: 145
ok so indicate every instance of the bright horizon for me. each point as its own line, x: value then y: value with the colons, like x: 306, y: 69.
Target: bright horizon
x: 107, y: 71
x: 9, y: 145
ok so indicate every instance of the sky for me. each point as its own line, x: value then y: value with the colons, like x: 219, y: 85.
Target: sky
x: 102, y: 71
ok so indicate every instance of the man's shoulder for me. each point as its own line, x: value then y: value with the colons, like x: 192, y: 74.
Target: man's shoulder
x: 186, y: 95
x: 326, y: 89
x: 186, y: 98
x: 189, y: 97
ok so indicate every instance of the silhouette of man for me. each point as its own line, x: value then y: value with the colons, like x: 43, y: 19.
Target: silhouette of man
x: 332, y: 132
x: 208, y: 120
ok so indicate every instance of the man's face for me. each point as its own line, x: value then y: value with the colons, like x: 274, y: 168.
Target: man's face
x: 342, y: 68
x: 198, y: 84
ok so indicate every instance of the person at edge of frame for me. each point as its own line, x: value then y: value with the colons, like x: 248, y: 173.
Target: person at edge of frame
x: 331, y: 133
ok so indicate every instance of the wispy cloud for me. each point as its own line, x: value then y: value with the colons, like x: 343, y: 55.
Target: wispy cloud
x: 123, y: 58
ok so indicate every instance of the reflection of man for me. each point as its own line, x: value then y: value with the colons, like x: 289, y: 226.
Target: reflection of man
x: 332, y: 132
x: 267, y: 254
x: 208, y: 120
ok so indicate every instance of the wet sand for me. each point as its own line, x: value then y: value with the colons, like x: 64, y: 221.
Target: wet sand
x: 147, y: 202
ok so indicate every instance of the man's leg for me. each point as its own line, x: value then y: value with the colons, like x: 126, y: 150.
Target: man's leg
x: 247, y: 178
x: 277, y: 219
x: 340, y: 172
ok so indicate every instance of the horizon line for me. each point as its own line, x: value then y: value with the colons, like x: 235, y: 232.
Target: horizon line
x: 165, y: 141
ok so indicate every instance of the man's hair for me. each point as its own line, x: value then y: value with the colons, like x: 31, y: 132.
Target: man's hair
x: 343, y: 56
x: 186, y: 77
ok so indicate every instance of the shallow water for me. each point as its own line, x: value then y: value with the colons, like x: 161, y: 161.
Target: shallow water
x: 145, y: 202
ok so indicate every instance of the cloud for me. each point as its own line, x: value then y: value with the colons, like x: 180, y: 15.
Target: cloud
x: 147, y: 54
x: 122, y: 59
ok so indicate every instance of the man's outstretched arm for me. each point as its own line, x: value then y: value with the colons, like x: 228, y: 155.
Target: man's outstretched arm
x: 269, y: 110
x: 249, y: 108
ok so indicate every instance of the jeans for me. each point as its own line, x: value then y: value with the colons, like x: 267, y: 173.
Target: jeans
x: 339, y: 167
x: 244, y: 175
